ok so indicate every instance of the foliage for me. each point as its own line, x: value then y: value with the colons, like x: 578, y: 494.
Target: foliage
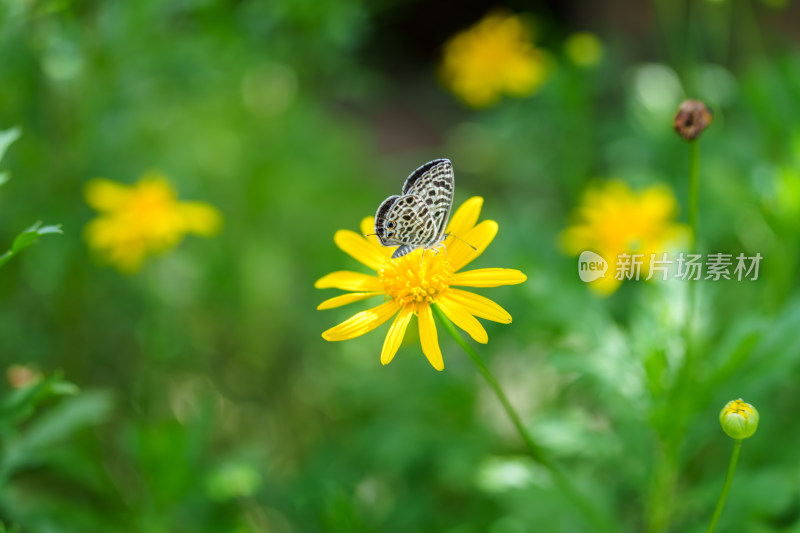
x: 32, y: 234
x: 204, y: 396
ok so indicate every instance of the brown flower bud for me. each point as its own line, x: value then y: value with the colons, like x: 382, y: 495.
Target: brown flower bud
x: 21, y: 376
x: 692, y: 118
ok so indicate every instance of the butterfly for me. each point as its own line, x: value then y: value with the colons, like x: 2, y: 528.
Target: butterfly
x: 418, y: 217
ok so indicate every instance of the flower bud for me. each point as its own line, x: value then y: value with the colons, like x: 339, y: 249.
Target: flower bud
x: 692, y: 118
x: 21, y: 376
x: 739, y: 419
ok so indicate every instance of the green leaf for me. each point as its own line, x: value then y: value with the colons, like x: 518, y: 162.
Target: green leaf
x: 53, y: 427
x: 3, y: 177
x: 28, y: 238
x: 6, y: 138
x: 23, y: 240
x: 71, y: 414
x: 20, y: 403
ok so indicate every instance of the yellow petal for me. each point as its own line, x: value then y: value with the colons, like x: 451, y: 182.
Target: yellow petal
x: 200, y: 218
x: 461, y: 253
x: 461, y: 318
x: 489, y: 277
x: 606, y: 285
x: 155, y: 187
x: 658, y: 202
x: 106, y: 195
x: 345, y: 299
x: 395, y: 335
x: 428, y: 338
x: 362, y: 322
x: 349, y: 281
x: 575, y: 239
x: 464, y: 218
x: 479, y: 306
x: 358, y: 247
x: 157, y: 178
x: 368, y: 228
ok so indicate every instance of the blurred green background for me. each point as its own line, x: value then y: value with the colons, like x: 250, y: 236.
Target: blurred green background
x: 198, y: 394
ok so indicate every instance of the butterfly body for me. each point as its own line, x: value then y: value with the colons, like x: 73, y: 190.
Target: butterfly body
x: 418, y: 217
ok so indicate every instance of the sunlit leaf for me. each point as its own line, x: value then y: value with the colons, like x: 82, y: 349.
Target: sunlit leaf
x: 7, y: 137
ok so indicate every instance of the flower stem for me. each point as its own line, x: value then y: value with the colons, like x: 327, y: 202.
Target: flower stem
x: 737, y: 448
x: 694, y: 193
x: 590, y: 511
x: 666, y: 469
x: 694, y: 190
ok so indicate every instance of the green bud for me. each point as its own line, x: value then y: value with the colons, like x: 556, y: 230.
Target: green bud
x: 739, y: 419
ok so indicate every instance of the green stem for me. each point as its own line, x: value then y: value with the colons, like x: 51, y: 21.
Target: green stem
x: 737, y: 448
x: 666, y: 470
x: 694, y: 185
x: 694, y: 203
x: 662, y: 488
x: 590, y: 511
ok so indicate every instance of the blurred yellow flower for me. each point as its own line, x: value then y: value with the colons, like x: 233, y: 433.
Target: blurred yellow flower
x: 143, y: 219
x: 493, y: 57
x: 584, y: 49
x: 612, y: 220
x: 412, y: 283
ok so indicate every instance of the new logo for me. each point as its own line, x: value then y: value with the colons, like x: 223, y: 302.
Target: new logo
x: 591, y: 266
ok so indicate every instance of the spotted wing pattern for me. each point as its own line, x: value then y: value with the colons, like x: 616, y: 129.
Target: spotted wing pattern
x: 419, y: 216
x: 405, y: 221
x: 434, y: 182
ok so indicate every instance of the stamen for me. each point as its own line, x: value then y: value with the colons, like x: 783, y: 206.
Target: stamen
x: 410, y: 278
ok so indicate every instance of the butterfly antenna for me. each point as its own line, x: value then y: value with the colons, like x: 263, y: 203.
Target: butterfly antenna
x: 369, y: 234
x: 462, y: 240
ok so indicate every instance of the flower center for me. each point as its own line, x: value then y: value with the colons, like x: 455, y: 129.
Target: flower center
x: 413, y: 278
x: 150, y: 201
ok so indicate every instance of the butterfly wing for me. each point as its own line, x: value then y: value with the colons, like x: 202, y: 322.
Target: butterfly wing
x: 381, y: 219
x: 434, y: 183
x: 405, y: 220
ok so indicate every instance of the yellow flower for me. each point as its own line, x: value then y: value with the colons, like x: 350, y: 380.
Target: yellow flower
x: 142, y: 219
x: 739, y: 419
x: 493, y: 57
x: 412, y: 283
x: 614, y: 220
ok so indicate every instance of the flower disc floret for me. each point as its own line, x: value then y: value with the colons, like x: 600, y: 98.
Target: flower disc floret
x: 411, y: 278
